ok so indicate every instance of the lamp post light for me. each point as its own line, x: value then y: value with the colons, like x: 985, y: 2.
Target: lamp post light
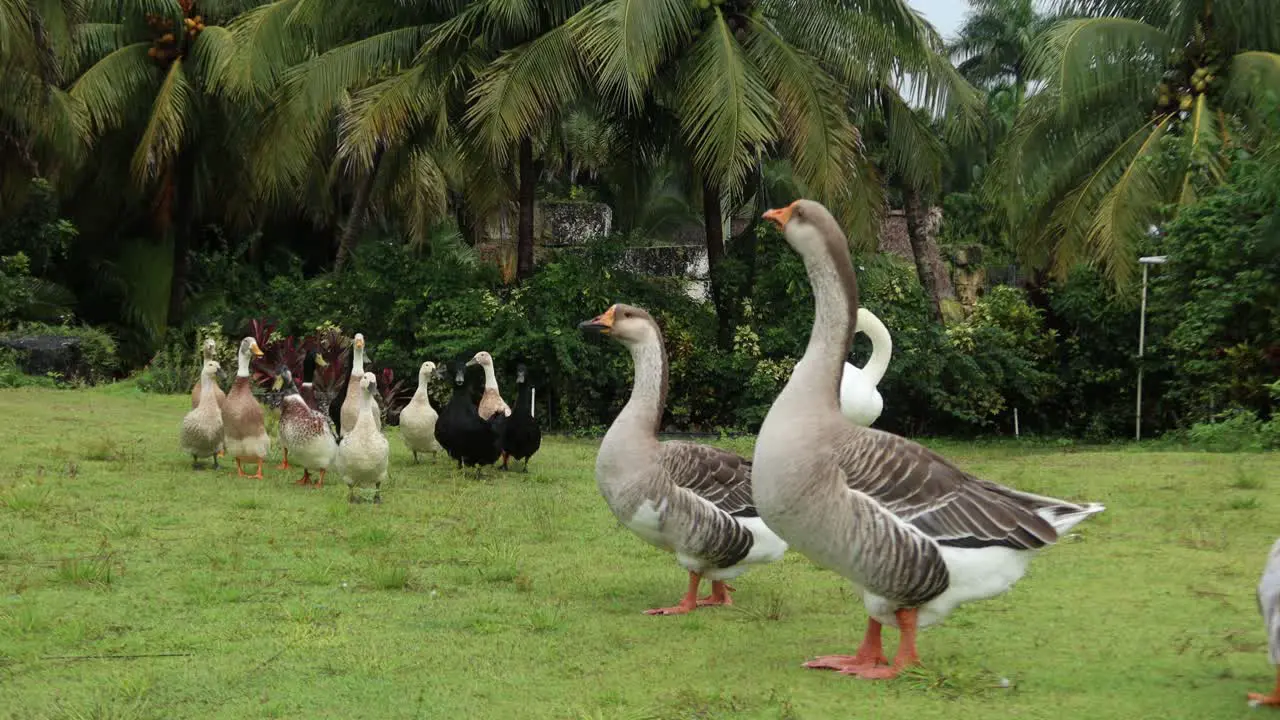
x: 1147, y: 262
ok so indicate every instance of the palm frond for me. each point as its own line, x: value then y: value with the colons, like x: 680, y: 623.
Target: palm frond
x: 726, y: 110
x: 1200, y: 155
x: 166, y: 127
x: 626, y: 40
x: 523, y: 88
x: 386, y: 113
x: 113, y: 86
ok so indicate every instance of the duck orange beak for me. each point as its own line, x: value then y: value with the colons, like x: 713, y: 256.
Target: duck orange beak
x: 601, y: 323
x: 255, y: 349
x: 781, y: 216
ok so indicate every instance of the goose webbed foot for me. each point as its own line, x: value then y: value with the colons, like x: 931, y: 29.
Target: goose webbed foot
x: 687, y: 604
x: 870, y: 654
x: 719, y: 594
x: 906, y: 657
x: 1267, y: 700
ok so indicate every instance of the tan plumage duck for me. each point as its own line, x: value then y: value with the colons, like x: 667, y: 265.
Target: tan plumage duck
x: 916, y: 535
x: 491, y: 401
x: 201, y: 434
x: 418, y: 418
x: 352, y: 402
x: 243, y: 427
x: 363, y: 453
x: 693, y: 500
x: 209, y: 350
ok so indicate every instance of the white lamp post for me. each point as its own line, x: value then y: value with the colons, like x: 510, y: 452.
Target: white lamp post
x: 1147, y: 262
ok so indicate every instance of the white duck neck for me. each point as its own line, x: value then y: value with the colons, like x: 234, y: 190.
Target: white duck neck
x: 357, y: 361
x: 490, y: 378
x: 242, y: 363
x: 881, y: 345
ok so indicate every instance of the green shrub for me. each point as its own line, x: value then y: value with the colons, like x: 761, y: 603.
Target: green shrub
x: 1236, y: 430
x: 98, y: 348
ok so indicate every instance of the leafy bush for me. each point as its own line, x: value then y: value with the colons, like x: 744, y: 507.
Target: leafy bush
x: 1218, y: 297
x: 97, y: 348
x: 1235, y: 431
x: 11, y: 375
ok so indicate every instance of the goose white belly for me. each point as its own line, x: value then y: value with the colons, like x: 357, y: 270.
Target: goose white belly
x: 647, y: 522
x: 974, y: 574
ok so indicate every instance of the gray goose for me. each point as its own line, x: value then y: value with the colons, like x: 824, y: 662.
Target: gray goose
x: 1269, y: 606
x: 915, y: 534
x: 693, y: 500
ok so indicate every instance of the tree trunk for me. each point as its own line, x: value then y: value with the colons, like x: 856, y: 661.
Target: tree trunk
x: 524, y: 231
x: 462, y: 217
x: 181, y: 227
x: 359, y: 211
x: 915, y: 212
x: 713, y: 223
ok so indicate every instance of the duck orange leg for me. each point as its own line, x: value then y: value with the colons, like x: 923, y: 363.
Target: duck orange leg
x: 688, y: 603
x: 1272, y: 700
x: 239, y: 467
x: 907, y: 655
x: 306, y: 477
x: 320, y: 482
x: 285, y: 464
x: 719, y: 594
x: 870, y: 654
x: 257, y: 476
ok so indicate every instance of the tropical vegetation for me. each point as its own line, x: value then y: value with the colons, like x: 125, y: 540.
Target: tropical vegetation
x: 174, y: 168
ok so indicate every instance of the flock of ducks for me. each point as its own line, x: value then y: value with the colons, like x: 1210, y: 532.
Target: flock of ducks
x: 350, y: 437
x: 915, y: 535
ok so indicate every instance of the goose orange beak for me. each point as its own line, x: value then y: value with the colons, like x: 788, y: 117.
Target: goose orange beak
x: 601, y: 323
x: 781, y: 216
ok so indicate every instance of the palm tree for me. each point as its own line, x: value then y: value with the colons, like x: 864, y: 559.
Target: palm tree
x: 149, y: 71
x: 739, y: 77
x: 39, y: 129
x: 1143, y: 101
x: 995, y: 43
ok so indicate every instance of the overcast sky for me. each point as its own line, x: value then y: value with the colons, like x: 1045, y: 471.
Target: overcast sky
x: 946, y: 15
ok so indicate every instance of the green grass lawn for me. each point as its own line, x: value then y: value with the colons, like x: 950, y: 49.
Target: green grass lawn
x: 133, y: 587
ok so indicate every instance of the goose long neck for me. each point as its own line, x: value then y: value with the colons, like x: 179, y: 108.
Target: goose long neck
x: 242, y: 364
x: 881, y: 346
x: 819, y: 371
x: 648, y: 388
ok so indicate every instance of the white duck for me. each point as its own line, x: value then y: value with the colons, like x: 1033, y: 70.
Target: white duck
x: 418, y: 418
x: 201, y: 434
x: 363, y: 453
x: 916, y: 535
x: 860, y: 401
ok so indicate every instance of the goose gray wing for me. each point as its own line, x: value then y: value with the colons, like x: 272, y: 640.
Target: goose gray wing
x: 720, y: 477
x: 946, y: 504
x: 1269, y: 602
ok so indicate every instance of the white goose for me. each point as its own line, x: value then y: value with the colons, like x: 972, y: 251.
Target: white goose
x: 916, y: 535
x: 693, y: 500
x: 860, y: 401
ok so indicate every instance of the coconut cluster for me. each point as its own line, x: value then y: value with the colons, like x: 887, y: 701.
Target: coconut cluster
x: 737, y: 14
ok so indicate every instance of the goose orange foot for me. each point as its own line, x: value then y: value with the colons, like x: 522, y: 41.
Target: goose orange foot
x: 719, y: 594
x: 870, y: 654
x: 1272, y: 700
x: 906, y: 657
x: 687, y: 604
